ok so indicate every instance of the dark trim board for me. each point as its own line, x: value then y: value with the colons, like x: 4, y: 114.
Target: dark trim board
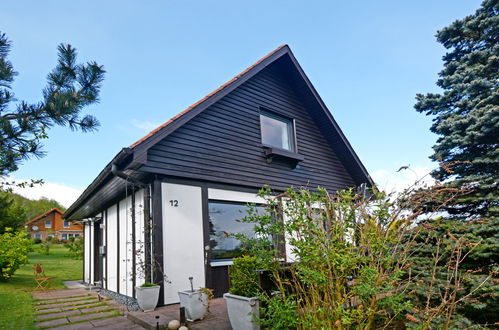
x: 157, y: 220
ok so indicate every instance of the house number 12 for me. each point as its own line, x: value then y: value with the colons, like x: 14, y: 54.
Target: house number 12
x: 174, y: 203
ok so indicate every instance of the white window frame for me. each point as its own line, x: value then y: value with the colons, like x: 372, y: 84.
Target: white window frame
x: 66, y: 224
x: 49, y: 221
x: 38, y: 235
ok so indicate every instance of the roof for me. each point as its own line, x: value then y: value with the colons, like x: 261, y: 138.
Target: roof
x: 45, y: 214
x: 138, y: 150
x: 207, y: 97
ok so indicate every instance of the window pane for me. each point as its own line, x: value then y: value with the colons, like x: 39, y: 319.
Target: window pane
x: 225, y: 218
x: 276, y: 132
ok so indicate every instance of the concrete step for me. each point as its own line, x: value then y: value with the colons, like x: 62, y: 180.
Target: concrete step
x: 57, y: 314
x: 90, y: 317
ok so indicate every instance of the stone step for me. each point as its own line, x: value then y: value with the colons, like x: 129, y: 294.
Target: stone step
x: 52, y: 323
x: 90, y: 317
x: 67, y: 304
x: 44, y: 301
x: 50, y: 310
x: 60, y: 301
x: 57, y: 314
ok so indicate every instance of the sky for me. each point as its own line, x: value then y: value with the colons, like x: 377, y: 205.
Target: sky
x: 367, y: 60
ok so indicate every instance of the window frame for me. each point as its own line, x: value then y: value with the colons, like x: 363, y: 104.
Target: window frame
x: 45, y: 223
x: 291, y: 124
x: 68, y: 224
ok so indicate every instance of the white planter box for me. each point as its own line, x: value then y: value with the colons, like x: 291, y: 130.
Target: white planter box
x: 242, y: 311
x: 147, y: 297
x: 195, y: 303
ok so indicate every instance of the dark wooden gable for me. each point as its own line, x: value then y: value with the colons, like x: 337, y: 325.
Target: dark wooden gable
x: 223, y: 142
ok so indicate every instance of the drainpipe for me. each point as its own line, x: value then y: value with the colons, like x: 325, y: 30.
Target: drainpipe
x: 147, y: 218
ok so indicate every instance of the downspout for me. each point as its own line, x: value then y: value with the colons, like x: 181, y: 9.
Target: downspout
x: 147, y: 218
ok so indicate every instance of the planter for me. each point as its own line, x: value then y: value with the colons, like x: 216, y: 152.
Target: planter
x: 195, y: 303
x: 242, y: 311
x: 147, y: 297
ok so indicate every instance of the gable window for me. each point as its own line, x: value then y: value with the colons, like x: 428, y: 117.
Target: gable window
x: 277, y: 131
x: 66, y: 224
x: 48, y: 223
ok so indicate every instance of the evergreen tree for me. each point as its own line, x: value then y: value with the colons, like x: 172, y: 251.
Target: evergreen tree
x: 12, y: 214
x: 466, y: 113
x: 71, y: 87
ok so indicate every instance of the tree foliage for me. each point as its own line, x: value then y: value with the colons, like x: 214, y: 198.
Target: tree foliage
x: 12, y: 215
x: 466, y: 112
x: 14, y: 248
x: 70, y: 88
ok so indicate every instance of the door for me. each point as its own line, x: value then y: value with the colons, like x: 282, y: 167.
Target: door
x: 182, y: 239
x: 98, y: 253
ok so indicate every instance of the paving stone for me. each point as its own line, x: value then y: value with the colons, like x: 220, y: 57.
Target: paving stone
x: 81, y: 307
x: 48, y: 301
x: 94, y: 309
x: 118, y: 322
x: 51, y: 310
x: 67, y: 304
x: 89, y: 316
x: 52, y: 315
x: 77, y: 326
x: 52, y: 323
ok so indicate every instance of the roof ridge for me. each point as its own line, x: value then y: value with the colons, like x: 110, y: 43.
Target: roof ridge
x: 216, y: 91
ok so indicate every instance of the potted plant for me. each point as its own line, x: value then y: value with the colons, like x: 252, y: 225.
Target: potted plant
x: 147, y: 296
x: 242, y: 301
x: 195, y: 302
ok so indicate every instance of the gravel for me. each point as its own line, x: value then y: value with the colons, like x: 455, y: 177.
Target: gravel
x: 129, y: 302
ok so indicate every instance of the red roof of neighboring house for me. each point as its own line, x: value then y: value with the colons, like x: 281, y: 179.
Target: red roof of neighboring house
x: 45, y: 214
x: 219, y: 89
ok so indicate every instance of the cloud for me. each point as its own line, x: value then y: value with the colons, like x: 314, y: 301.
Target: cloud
x: 64, y: 194
x: 392, y: 181
x: 146, y: 126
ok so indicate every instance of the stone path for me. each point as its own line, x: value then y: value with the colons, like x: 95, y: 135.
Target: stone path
x: 78, y: 309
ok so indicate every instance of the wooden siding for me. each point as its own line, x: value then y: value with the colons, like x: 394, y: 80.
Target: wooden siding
x: 223, y: 143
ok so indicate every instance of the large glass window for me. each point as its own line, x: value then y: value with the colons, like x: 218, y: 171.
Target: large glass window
x: 225, y: 219
x: 277, y: 131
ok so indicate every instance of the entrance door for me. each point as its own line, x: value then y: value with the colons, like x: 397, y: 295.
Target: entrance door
x: 182, y: 239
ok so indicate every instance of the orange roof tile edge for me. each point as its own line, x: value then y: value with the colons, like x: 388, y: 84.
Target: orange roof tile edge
x: 44, y: 214
x: 206, y: 97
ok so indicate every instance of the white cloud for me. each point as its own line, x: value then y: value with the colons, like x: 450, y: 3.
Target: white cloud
x: 146, y: 126
x: 62, y: 193
x: 392, y: 181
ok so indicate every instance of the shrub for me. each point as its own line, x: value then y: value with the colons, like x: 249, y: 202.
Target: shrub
x: 37, y: 240
x: 14, y: 249
x: 75, y: 248
x: 44, y: 248
x: 244, y: 278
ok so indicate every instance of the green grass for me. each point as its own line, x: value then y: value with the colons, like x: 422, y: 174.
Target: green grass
x: 16, y: 303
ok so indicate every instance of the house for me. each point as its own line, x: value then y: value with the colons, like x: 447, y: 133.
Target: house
x: 168, y: 197
x: 51, y: 224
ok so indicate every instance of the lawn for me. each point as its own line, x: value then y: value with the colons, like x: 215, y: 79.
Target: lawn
x: 16, y: 304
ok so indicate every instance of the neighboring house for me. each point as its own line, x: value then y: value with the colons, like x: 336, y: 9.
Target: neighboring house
x: 51, y: 224
x: 193, y: 176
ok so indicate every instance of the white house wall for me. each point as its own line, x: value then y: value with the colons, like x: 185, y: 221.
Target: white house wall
x: 182, y: 239
x: 86, y: 254
x: 92, y: 251
x: 139, y: 237
x: 112, y: 248
x: 125, y: 243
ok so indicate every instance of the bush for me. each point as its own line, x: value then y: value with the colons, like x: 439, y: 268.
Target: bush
x: 75, y: 248
x: 14, y: 249
x: 244, y: 278
x: 37, y: 240
x: 44, y: 248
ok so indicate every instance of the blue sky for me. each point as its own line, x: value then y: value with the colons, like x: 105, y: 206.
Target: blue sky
x: 367, y: 59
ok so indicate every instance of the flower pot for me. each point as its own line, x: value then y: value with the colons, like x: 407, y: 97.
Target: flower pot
x: 242, y: 311
x: 147, y: 297
x: 195, y: 303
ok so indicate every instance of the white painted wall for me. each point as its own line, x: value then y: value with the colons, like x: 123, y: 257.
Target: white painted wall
x: 182, y: 239
x: 104, y: 244
x: 125, y: 246
x: 234, y: 196
x: 112, y: 248
x: 86, y: 254
x: 139, y: 237
x: 92, y: 249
